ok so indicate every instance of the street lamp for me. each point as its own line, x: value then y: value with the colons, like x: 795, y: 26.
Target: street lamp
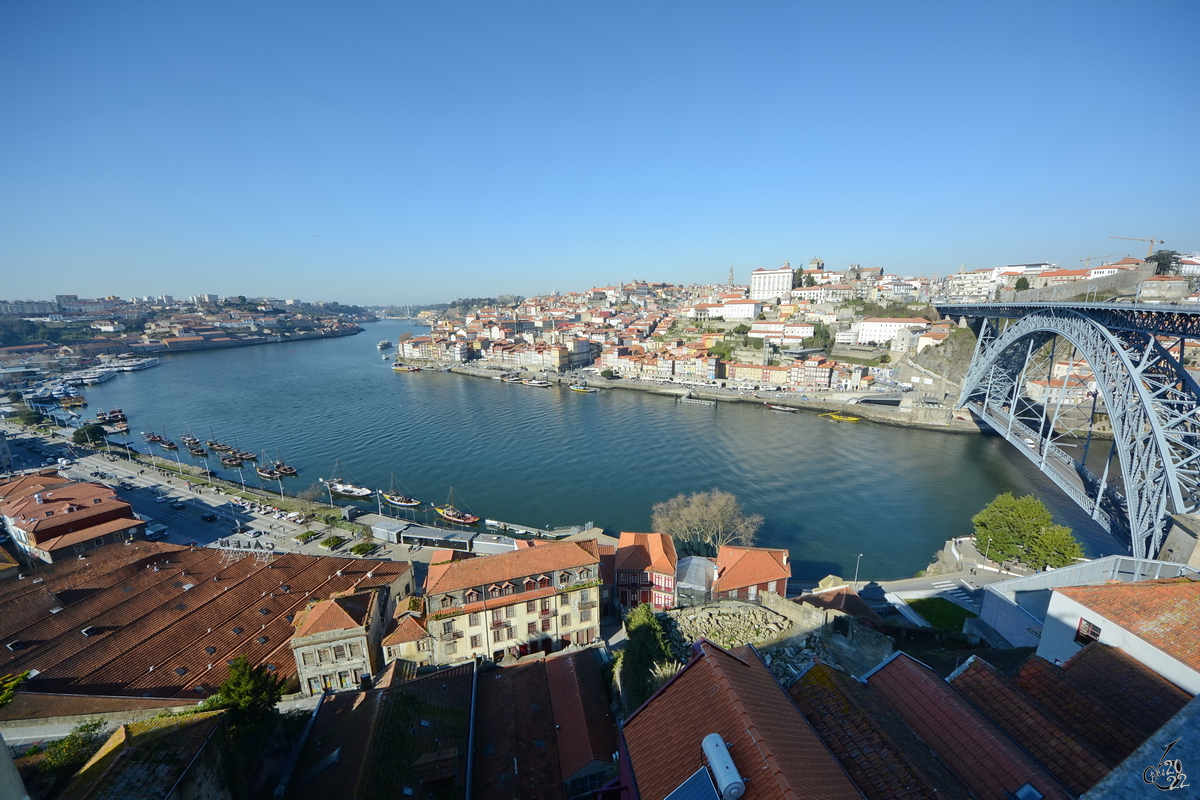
x: 856, y: 563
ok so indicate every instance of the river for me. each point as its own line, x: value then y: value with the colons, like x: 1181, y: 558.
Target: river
x: 550, y: 457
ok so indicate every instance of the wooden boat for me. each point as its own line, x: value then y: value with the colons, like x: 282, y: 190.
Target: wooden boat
x: 267, y: 472
x: 167, y: 444
x: 839, y: 417
x: 394, y: 498
x: 283, y: 468
x: 582, y: 388
x: 199, y: 452
x: 230, y: 461
x: 774, y: 407
x: 451, y: 514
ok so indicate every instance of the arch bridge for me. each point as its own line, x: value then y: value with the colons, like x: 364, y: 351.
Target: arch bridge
x: 1096, y: 395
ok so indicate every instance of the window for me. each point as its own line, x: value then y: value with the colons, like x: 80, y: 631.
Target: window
x: 344, y: 679
x: 530, y: 584
x: 585, y: 615
x: 473, y: 620
x: 1087, y: 633
x: 585, y: 596
x: 545, y: 604
x: 323, y: 656
x: 510, y: 633
x: 306, y: 659
x: 422, y: 644
x: 531, y: 607
x: 498, y: 635
x: 564, y: 577
x: 446, y: 602
x: 476, y: 640
x: 472, y: 595
x: 339, y: 652
x: 564, y: 600
x: 508, y: 589
x: 448, y: 626
x: 451, y: 648
x: 494, y: 591
x: 546, y: 624
x: 510, y: 611
x: 565, y: 620
x: 355, y: 650
x: 584, y: 574
x: 531, y: 628
x: 496, y: 618
x: 622, y: 577
x: 543, y: 582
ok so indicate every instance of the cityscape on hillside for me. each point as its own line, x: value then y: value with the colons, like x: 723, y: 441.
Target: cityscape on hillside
x: 451, y: 650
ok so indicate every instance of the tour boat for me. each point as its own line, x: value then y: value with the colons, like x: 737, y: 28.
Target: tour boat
x: 512, y: 379
x: 538, y: 383
x: 583, y: 388
x: 774, y: 407
x: 268, y: 473
x: 199, y: 452
x: 384, y: 344
x: 116, y: 415
x: 399, y: 500
x: 167, y: 444
x: 230, y: 461
x: 398, y: 367
x: 451, y: 514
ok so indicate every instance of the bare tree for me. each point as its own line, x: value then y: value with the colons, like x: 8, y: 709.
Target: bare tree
x: 308, y: 501
x: 704, y: 521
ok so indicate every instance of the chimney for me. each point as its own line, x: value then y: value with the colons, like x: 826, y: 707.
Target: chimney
x: 38, y: 499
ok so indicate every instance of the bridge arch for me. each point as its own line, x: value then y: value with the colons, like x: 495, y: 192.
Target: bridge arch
x: 1151, y: 400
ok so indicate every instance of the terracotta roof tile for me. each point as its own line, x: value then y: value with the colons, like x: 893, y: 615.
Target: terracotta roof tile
x: 738, y: 567
x: 733, y: 694
x: 880, y: 753
x: 338, y: 613
x: 483, y: 570
x: 586, y: 729
x: 844, y: 599
x: 1069, y: 757
x: 1078, y: 708
x: 641, y: 551
x: 1138, y: 695
x: 516, y: 744
x: 981, y: 755
x: 407, y: 629
x: 1161, y: 612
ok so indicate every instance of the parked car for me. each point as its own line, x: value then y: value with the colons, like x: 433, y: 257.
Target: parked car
x: 161, y: 499
x: 210, y: 517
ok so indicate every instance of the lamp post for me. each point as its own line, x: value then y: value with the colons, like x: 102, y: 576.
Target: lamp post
x: 857, y: 561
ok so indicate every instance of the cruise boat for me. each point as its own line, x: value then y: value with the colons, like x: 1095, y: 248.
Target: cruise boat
x: 127, y: 362
x: 451, y: 514
x: 538, y: 383
x: 384, y: 344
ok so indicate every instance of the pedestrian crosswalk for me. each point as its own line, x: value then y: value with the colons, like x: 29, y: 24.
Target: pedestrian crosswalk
x: 952, y: 592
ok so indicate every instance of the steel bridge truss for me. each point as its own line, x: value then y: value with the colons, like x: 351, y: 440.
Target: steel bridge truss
x: 1151, y: 402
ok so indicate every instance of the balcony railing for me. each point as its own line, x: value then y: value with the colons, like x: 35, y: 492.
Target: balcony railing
x: 500, y: 623
x: 546, y: 613
x: 588, y: 604
x: 451, y: 636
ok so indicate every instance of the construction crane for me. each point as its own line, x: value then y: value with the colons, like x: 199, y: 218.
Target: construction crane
x: 1149, y: 248
x: 1087, y: 262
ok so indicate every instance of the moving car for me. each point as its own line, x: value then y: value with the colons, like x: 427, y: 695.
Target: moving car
x: 210, y: 517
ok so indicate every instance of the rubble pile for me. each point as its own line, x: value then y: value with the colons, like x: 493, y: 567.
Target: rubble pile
x: 787, y: 663
x: 728, y: 624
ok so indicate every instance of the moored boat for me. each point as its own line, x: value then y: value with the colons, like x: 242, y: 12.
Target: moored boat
x: 347, y: 489
x: 398, y: 367
x: 167, y: 444
x: 839, y: 417
x: 451, y: 514
x: 267, y: 472
x: 582, y: 388
x: 230, y: 461
x: 774, y: 407
x: 538, y: 383
x: 198, y: 451
x: 399, y: 500
x: 384, y: 344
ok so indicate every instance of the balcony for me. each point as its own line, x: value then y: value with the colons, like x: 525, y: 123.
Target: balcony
x: 588, y: 604
x: 451, y: 636
x: 546, y: 613
x: 500, y: 623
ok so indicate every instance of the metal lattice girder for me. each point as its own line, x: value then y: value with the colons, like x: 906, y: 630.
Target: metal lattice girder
x: 1151, y: 400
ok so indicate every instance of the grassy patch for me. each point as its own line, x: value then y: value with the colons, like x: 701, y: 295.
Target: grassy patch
x: 332, y: 542
x: 942, y: 613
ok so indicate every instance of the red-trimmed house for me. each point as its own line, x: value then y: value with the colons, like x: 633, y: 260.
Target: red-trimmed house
x: 645, y: 568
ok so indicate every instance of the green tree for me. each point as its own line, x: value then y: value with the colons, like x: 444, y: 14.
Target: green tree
x: 809, y: 281
x: 645, y: 651
x: 703, y: 521
x: 30, y: 417
x: 1054, y: 546
x: 250, y: 693
x: 1165, y: 262
x: 1022, y: 284
x: 72, y: 751
x: 742, y: 330
x: 1021, y: 528
x: 88, y: 434
x: 607, y: 374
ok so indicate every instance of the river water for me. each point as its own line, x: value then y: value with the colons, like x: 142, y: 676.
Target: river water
x: 551, y: 457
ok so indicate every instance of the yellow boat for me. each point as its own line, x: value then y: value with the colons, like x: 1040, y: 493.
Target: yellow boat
x: 839, y: 417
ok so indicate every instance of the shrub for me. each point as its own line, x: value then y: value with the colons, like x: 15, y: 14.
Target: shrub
x: 331, y: 542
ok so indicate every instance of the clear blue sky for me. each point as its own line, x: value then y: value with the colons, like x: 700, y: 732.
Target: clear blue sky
x: 417, y: 152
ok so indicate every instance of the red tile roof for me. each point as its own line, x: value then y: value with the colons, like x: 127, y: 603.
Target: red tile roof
x: 641, y: 551
x: 516, y: 744
x: 1078, y: 708
x: 484, y: 570
x: 408, y: 629
x: 67, y: 539
x: 1162, y: 612
x: 981, y: 754
x: 585, y: 726
x: 731, y: 693
x: 1068, y: 756
x: 739, y: 567
x: 1138, y: 695
x: 339, y: 613
x: 164, y: 620
x: 880, y: 753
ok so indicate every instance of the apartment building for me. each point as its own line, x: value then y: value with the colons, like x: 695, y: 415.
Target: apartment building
x: 645, y: 570
x: 541, y: 597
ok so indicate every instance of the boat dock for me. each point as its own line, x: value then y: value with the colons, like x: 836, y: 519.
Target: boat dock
x: 687, y: 398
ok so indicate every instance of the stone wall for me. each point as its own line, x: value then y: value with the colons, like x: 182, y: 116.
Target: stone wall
x: 728, y: 623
